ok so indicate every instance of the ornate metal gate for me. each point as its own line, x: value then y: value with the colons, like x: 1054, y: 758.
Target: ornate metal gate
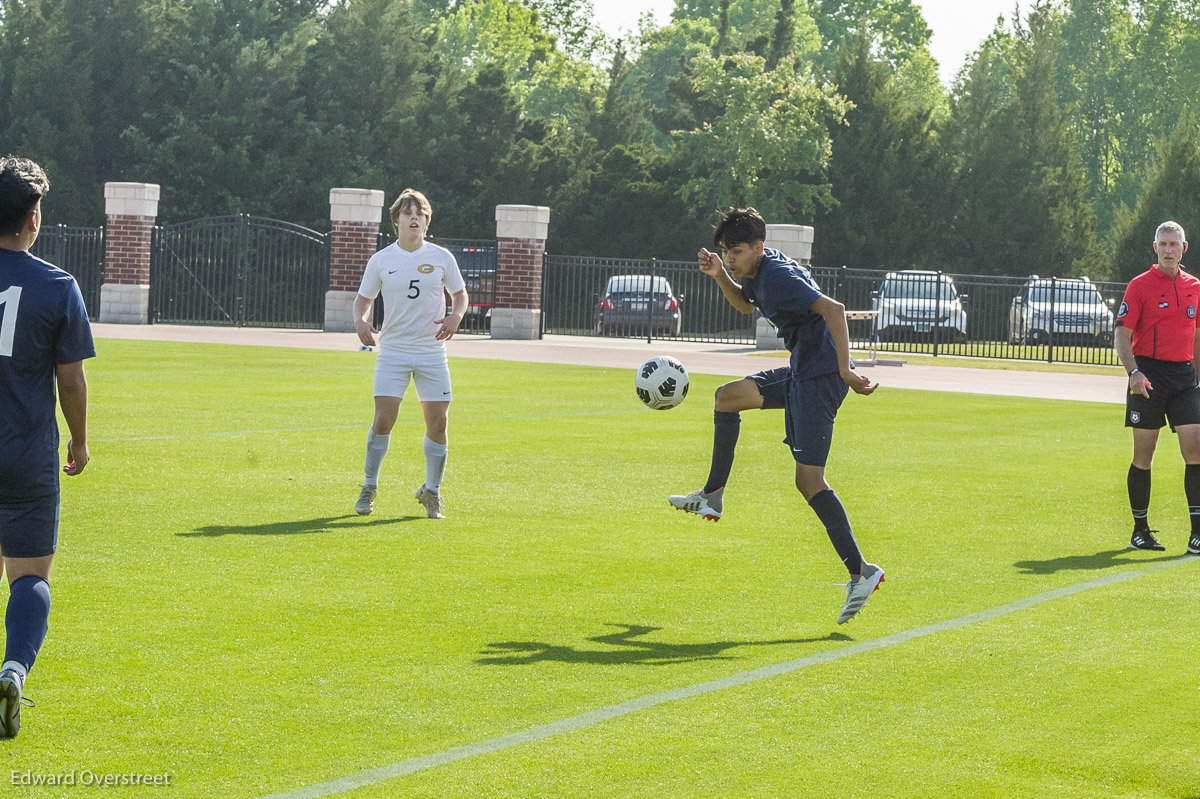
x: 239, y: 270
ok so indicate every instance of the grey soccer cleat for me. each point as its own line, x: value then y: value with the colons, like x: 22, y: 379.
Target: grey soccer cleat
x: 366, y: 500
x: 859, y: 590
x: 707, y: 505
x: 11, y: 685
x: 435, y: 506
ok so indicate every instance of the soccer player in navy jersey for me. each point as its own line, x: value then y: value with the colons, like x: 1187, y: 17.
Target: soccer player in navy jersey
x: 809, y: 390
x: 44, y: 339
x: 1156, y: 340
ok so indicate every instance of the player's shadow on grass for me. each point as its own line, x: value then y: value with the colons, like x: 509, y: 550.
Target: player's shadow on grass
x: 1108, y: 559
x: 631, y: 652
x: 324, y: 524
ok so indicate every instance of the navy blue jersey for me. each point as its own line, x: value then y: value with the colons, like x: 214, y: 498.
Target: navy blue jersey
x: 42, y: 323
x: 784, y: 291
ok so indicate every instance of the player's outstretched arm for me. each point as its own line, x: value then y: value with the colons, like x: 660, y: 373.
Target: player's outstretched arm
x: 711, y: 265
x: 73, y: 397
x: 448, y: 324
x: 835, y: 319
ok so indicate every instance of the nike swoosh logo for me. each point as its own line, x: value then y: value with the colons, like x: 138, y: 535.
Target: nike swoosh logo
x: 394, y: 271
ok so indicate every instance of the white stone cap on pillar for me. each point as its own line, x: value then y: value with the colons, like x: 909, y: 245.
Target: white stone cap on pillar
x: 131, y: 199
x: 355, y: 205
x: 794, y: 241
x: 522, y: 222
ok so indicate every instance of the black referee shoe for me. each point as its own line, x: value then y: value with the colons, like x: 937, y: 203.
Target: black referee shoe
x: 1144, y: 539
x: 1194, y: 544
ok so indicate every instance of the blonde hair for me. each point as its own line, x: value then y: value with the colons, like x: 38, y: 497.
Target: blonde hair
x: 1174, y: 227
x: 407, y: 198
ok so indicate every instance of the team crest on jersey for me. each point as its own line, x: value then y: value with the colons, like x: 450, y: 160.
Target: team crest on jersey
x: 1135, y: 417
x: 1191, y: 312
x: 1123, y: 310
x: 425, y: 269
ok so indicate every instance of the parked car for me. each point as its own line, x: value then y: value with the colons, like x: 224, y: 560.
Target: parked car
x: 481, y: 290
x: 635, y: 304
x: 914, y: 304
x: 1080, y: 314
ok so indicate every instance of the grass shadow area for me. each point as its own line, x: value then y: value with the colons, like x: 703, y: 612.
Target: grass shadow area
x: 1107, y: 559
x: 323, y: 524
x: 630, y: 651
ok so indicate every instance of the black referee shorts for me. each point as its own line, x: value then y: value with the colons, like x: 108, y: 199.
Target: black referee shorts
x: 1174, y: 396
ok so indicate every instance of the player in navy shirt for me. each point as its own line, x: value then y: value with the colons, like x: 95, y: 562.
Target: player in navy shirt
x: 809, y: 390
x: 44, y: 339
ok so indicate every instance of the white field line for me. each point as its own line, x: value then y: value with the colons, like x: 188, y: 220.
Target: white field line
x: 592, y: 717
x: 364, y: 425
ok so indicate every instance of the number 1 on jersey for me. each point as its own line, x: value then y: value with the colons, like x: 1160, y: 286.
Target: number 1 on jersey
x: 10, y: 298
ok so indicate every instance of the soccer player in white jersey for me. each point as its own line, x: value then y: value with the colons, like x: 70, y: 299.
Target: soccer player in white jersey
x: 414, y: 276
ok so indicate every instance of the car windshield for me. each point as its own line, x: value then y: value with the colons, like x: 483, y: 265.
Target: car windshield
x: 1081, y: 293
x: 918, y: 288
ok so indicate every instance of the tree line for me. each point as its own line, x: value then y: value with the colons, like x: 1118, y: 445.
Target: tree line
x: 1065, y: 137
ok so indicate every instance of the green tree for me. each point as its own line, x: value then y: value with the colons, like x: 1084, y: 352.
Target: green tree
x: 888, y: 172
x: 769, y: 147
x: 1166, y: 195
x: 1023, y: 200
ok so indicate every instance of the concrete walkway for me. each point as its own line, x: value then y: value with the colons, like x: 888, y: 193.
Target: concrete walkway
x: 699, y: 357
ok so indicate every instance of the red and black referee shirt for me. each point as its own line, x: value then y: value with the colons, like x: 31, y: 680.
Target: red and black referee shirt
x: 1161, y: 312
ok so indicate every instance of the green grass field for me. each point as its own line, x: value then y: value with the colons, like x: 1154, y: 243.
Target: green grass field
x: 221, y: 615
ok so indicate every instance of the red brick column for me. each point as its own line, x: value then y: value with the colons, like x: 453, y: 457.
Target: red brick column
x: 520, y: 243
x: 354, y: 237
x: 131, y: 210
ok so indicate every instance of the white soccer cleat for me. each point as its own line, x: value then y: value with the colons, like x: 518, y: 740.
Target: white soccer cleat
x: 707, y: 505
x: 859, y: 590
x: 11, y: 687
x: 435, y: 506
x: 366, y: 500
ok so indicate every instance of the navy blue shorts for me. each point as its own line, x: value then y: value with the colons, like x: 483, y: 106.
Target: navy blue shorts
x: 29, y: 527
x: 809, y: 410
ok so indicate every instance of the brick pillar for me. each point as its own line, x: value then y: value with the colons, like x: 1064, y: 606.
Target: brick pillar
x: 794, y: 241
x: 520, y: 243
x: 131, y: 210
x: 354, y: 237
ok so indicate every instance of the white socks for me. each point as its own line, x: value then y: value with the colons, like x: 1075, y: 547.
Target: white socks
x: 435, y: 463
x: 377, y: 447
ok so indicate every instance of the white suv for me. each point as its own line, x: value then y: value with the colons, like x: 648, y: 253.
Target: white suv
x: 1071, y: 308
x: 915, y: 304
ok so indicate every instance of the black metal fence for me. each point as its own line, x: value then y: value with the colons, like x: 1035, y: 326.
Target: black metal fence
x: 1068, y: 320
x: 912, y: 311
x: 633, y: 298
x: 239, y: 270
x: 80, y: 251
x: 243, y: 270
x: 477, y: 262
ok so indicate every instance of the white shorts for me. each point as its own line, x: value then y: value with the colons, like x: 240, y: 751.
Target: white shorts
x: 430, y: 373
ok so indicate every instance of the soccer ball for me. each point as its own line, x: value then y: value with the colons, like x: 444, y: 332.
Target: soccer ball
x: 661, y: 382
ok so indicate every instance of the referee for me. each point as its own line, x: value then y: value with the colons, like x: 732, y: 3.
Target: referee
x: 1156, y: 331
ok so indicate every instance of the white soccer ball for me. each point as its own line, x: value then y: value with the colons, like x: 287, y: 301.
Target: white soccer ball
x: 661, y: 382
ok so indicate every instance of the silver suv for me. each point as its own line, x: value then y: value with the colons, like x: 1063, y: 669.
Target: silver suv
x: 1070, y: 308
x: 915, y: 304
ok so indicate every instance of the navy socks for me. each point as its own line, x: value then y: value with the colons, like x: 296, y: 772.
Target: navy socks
x: 726, y: 427
x: 832, y: 514
x: 27, y: 619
